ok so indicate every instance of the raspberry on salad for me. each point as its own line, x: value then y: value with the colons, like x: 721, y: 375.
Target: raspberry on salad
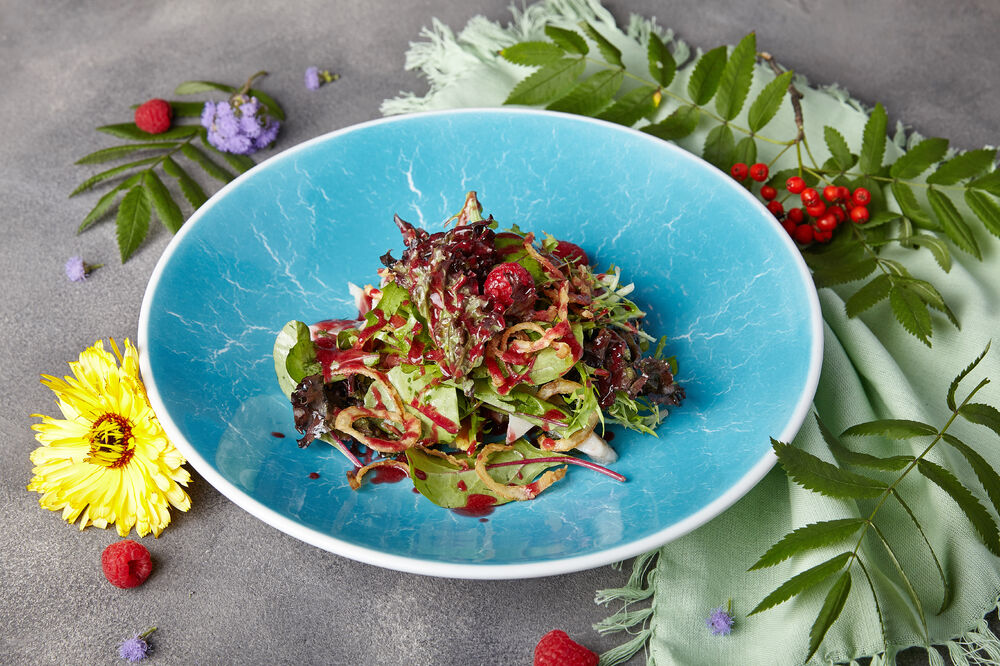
x: 510, y: 283
x: 571, y: 252
x: 126, y: 564
x: 154, y: 116
x: 558, y: 649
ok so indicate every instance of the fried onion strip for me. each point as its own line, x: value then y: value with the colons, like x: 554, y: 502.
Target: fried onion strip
x: 513, y: 491
x: 354, y: 478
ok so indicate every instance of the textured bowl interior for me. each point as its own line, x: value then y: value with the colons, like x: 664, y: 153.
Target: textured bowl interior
x: 714, y: 271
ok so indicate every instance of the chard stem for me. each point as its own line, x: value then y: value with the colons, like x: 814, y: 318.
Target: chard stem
x: 563, y: 459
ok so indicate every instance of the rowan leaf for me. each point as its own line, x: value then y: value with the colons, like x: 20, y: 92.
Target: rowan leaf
x: 592, y: 94
x: 962, y: 375
x: 677, y: 125
x: 822, y: 477
x: 845, y: 272
x: 937, y: 247
x: 891, y: 428
x: 919, y: 158
x: 873, y: 292
x: 828, y: 614
x: 873, y: 141
x: 195, y: 87
x: 745, y: 151
x: 803, y: 581
x: 114, y: 152
x: 189, y: 187
x: 662, y: 66
x: 131, y: 132
x: 911, y: 208
x: 532, y: 53
x: 569, y: 40
x: 166, y: 209
x: 912, y: 313
x: 111, y: 173
x: 809, y: 537
x: 952, y: 223
x: 547, y: 83
x: 632, y: 106
x: 988, y: 477
x: 988, y: 183
x: 607, y: 49
x: 707, y: 74
x: 986, y: 209
x: 946, y: 586
x: 202, y: 160
x: 929, y: 294
x: 764, y: 108
x: 132, y: 221
x: 965, y: 165
x: 838, y: 148
x: 737, y: 76
x: 846, y: 455
x: 106, y: 203
x: 982, y: 414
x: 973, y: 509
x: 719, y: 146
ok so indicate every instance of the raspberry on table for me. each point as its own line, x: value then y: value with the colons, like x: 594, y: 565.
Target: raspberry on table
x: 557, y: 649
x: 154, y: 116
x: 126, y: 564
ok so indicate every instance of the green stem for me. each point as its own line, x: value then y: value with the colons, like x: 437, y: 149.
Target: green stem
x: 246, y: 86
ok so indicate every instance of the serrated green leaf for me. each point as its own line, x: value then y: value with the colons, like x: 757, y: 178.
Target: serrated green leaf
x: 106, y: 203
x: 768, y: 102
x: 737, y: 76
x: 202, y: 160
x: 891, y: 428
x: 912, y: 313
x: 838, y: 148
x: 570, y: 40
x: 828, y: 614
x: 846, y: 455
x: 929, y: 294
x: 195, y: 87
x: 937, y: 248
x: 882, y: 217
x: 187, y: 109
x: 966, y: 165
x: 988, y: 183
x: 952, y: 223
x: 607, y: 49
x: 946, y: 586
x: 908, y: 586
x: 962, y: 375
x: 719, y: 146
x: 133, y: 133
x: 707, y: 74
x: 745, y: 151
x: 820, y: 476
x: 677, y: 125
x: 132, y: 221
x: 166, y: 209
x: 592, y: 94
x: 845, y: 272
x: 547, y: 83
x: 189, y: 187
x: 114, y: 152
x: 919, y: 158
x: 803, y: 581
x: 982, y: 414
x: 986, y: 209
x: 873, y: 141
x: 242, y: 163
x: 662, y: 66
x: 810, y: 537
x: 911, y: 208
x: 111, y: 173
x: 973, y: 509
x: 532, y: 53
x: 873, y: 292
x: 895, y: 268
x: 632, y: 106
x: 988, y: 477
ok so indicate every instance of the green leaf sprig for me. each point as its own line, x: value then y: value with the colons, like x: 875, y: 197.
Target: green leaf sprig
x: 912, y: 205
x: 843, y: 482
x: 139, y: 189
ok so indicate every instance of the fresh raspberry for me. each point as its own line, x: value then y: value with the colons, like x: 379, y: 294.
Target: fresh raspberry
x: 509, y: 283
x: 739, y: 171
x: 558, y: 649
x: 768, y: 193
x: 795, y: 185
x: 153, y: 117
x: 126, y: 563
x: 759, y: 172
x: 570, y: 252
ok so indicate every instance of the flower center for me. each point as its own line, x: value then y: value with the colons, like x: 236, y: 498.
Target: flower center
x: 111, y: 442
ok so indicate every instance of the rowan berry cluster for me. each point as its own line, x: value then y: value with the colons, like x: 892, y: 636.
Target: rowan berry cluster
x: 819, y: 215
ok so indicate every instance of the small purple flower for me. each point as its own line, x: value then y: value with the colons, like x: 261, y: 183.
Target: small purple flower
x: 312, y: 78
x: 76, y: 270
x: 240, y: 125
x: 135, y: 648
x: 720, y: 622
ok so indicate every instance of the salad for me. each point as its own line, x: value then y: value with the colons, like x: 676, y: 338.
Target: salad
x: 480, y: 363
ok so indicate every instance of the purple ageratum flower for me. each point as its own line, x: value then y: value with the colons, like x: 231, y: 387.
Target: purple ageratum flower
x: 76, y: 270
x: 312, y: 78
x: 720, y: 622
x: 240, y: 125
x: 135, y: 648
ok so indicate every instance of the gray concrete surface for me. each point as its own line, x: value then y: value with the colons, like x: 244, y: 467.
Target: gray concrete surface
x: 227, y: 588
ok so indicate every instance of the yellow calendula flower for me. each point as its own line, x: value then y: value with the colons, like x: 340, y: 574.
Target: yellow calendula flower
x: 107, y: 460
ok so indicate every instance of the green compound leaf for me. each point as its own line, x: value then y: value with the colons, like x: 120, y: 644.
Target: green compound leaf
x: 846, y: 455
x: 131, y: 132
x: 764, y: 108
x: 952, y: 223
x: 607, y: 49
x: 962, y: 375
x: 707, y: 74
x: 872, y: 293
x: 919, y: 158
x: 106, y: 203
x: 803, y: 581
x: 677, y: 125
x: 929, y: 294
x: 986, y: 209
x: 114, y: 152
x: 834, y: 274
x: 549, y: 82
x: 737, y: 76
x: 973, y: 509
x: 532, y: 53
x: 960, y: 167
x: 202, y: 160
x: 891, y: 428
x: 837, y: 145
x: 873, y: 141
x: 632, y: 106
x: 662, y: 66
x: 569, y: 40
x: 189, y: 187
x: 820, y: 476
x: 988, y: 183
x: 988, y: 477
x: 187, y: 109
x: 195, y: 87
x: 166, y: 209
x: 132, y: 221
x: 592, y: 94
x: 745, y: 151
x: 828, y: 614
x: 719, y: 146
x: 911, y: 208
x: 912, y: 313
x: 945, y: 585
x: 111, y: 173
x: 940, y: 251
x: 982, y: 414
x: 810, y: 537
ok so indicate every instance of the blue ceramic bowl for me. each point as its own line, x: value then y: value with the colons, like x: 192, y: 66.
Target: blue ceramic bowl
x: 717, y: 275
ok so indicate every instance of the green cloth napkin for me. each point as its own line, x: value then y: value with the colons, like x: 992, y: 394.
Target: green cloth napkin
x: 872, y: 369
